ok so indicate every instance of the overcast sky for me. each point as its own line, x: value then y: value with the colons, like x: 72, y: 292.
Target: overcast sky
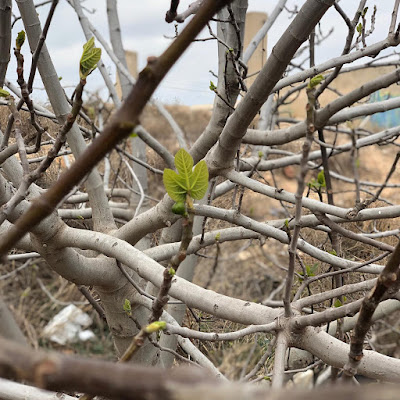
x: 144, y: 30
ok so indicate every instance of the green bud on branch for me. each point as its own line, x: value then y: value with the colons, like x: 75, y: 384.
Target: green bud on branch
x: 179, y: 208
x: 155, y: 327
x: 127, y: 307
x: 20, y: 40
x: 315, y: 81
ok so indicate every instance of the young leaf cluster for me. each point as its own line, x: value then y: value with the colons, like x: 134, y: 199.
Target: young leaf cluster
x: 156, y: 326
x: 311, y: 270
x: 338, y: 303
x: 4, y: 93
x: 20, y: 40
x: 90, y: 57
x: 319, y: 183
x: 315, y: 81
x: 188, y: 181
x: 127, y: 307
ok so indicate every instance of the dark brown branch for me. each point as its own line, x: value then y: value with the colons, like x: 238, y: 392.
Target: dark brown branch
x: 85, y: 292
x: 310, y: 111
x: 116, y: 381
x: 26, y: 89
x: 173, y: 265
x: 388, y: 281
x: 172, y: 12
x: 19, y: 136
x: 36, y: 54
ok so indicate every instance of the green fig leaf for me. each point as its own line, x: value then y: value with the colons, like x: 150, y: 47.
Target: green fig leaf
x: 90, y: 57
x: 188, y: 180
x: 199, y: 181
x: 184, y: 165
x: 337, y: 303
x: 311, y: 269
x: 174, y: 185
x: 321, y: 178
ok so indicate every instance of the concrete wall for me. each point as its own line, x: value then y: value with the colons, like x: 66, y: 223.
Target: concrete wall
x: 131, y: 59
x: 254, y: 22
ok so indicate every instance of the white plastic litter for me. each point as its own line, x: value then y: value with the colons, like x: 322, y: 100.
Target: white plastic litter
x: 86, y: 335
x: 68, y: 326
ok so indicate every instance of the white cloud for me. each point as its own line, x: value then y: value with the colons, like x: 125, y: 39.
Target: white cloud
x: 143, y: 27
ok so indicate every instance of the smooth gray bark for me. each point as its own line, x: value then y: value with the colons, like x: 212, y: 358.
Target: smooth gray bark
x: 16, y: 391
x: 9, y: 328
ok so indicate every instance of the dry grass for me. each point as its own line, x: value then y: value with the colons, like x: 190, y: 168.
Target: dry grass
x: 33, y: 307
